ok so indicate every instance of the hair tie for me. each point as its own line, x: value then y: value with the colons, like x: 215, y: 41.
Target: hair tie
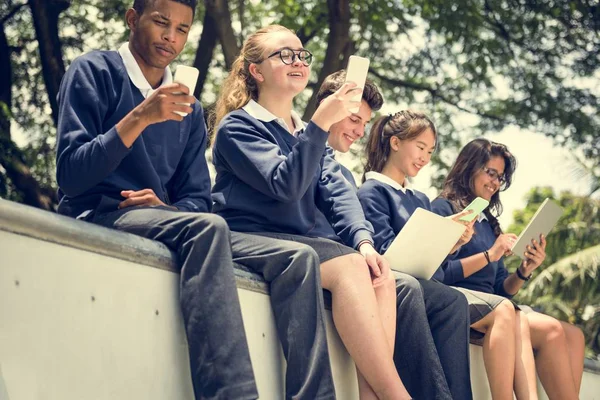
x: 389, y: 117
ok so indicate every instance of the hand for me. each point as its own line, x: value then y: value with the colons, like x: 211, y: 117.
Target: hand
x: 465, y: 237
x: 162, y: 104
x: 145, y: 197
x: 502, y: 246
x: 535, y: 254
x: 380, y: 268
x: 336, y: 107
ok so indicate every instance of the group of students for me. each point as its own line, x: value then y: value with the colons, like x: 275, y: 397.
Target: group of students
x: 284, y: 207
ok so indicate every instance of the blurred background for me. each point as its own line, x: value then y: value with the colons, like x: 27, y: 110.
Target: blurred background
x: 521, y: 72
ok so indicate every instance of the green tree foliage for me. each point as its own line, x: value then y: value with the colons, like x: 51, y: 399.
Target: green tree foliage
x: 567, y: 285
x: 475, y: 65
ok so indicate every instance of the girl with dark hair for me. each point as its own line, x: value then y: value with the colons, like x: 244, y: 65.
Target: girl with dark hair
x: 484, y: 168
x: 273, y: 174
x: 399, y: 146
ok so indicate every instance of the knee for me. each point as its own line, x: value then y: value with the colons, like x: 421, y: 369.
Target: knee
x: 505, y: 313
x: 353, y: 271
x: 388, y: 285
x: 208, y: 223
x: 553, y: 330
x: 304, y: 259
x: 408, y: 285
x: 575, y: 335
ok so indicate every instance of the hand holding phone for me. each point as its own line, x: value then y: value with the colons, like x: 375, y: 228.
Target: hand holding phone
x: 476, y: 207
x: 357, y: 70
x: 187, y: 76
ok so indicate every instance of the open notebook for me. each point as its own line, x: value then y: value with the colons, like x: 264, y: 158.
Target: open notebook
x: 423, y: 243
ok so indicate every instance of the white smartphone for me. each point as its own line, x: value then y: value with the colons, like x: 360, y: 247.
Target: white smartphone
x: 357, y: 70
x: 187, y: 76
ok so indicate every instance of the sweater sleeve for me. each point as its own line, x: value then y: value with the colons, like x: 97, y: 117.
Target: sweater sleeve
x: 190, y: 186
x: 452, y: 268
x: 86, y: 154
x: 254, y: 159
x: 337, y: 200
x: 501, y: 275
x: 376, y: 209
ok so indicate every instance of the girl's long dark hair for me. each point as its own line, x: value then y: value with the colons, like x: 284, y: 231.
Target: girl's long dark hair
x: 405, y: 125
x: 459, y: 186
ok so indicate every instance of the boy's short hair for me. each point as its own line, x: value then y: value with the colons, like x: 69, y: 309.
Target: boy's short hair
x: 333, y: 82
x: 140, y: 5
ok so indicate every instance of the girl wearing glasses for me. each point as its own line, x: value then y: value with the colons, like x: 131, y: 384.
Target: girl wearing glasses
x: 399, y: 146
x: 484, y: 168
x: 273, y: 175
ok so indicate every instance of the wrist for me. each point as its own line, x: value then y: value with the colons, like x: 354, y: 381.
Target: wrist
x: 521, y: 275
x: 362, y: 243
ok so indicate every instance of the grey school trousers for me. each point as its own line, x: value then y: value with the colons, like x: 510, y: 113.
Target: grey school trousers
x: 219, y: 358
x: 431, y: 351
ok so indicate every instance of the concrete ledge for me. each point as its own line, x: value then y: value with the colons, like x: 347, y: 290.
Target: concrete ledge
x: 54, y: 228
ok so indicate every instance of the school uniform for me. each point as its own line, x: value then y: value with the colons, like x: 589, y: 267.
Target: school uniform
x: 432, y: 336
x: 93, y: 166
x: 485, y: 288
x: 272, y: 182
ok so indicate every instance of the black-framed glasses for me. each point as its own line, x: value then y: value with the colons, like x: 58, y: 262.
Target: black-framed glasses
x: 288, y: 56
x: 493, y: 174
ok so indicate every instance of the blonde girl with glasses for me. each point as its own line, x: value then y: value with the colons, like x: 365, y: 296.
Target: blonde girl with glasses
x: 273, y: 174
x: 484, y: 168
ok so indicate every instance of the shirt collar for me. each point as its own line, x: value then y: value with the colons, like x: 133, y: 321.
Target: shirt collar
x: 136, y: 75
x: 262, y: 114
x: 481, y: 217
x: 389, y: 181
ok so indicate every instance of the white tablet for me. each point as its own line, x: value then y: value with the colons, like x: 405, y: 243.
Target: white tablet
x: 542, y: 223
x: 422, y: 245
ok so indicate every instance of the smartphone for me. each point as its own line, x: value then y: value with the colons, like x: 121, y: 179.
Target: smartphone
x: 357, y: 70
x: 477, y: 205
x: 187, y: 76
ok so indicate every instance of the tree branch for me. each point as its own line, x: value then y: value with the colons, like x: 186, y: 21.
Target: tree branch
x: 11, y: 13
x: 435, y: 93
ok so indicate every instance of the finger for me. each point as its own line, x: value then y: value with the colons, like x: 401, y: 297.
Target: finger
x: 346, y: 87
x: 140, y: 193
x: 543, y: 241
x: 132, y: 201
x: 126, y: 193
x: 375, y: 270
x: 511, y: 236
x: 175, y: 88
x: 352, y: 104
x: 182, y: 107
x: 462, y: 214
x: 183, y: 99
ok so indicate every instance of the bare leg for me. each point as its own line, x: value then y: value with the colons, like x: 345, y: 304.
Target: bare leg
x: 499, y: 349
x: 576, y: 345
x: 386, y: 302
x: 525, y: 377
x: 357, y: 319
x: 552, y: 359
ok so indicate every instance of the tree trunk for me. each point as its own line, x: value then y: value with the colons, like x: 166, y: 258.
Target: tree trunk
x: 205, y: 51
x: 11, y: 158
x: 337, y: 47
x: 45, y: 19
x: 219, y: 11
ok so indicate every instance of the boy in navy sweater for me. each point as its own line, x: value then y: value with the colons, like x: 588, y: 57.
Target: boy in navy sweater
x: 128, y: 161
x: 431, y: 351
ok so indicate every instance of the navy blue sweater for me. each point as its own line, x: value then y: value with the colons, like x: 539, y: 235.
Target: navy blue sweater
x: 322, y: 227
x: 489, y: 279
x: 388, y: 210
x: 93, y: 162
x: 270, y: 181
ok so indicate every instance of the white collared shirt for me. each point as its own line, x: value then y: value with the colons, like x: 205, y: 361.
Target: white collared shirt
x: 262, y: 114
x: 137, y: 76
x: 481, y: 217
x: 389, y: 181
